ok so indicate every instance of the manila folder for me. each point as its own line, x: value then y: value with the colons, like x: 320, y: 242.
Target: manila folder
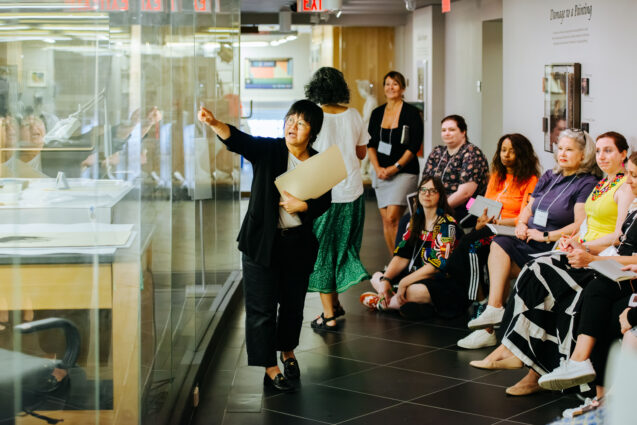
x: 315, y: 176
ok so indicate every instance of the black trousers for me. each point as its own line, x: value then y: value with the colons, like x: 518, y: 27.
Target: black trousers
x: 275, y: 296
x: 602, y: 302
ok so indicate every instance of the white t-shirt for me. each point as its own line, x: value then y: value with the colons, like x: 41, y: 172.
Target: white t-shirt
x: 347, y: 131
x: 287, y: 220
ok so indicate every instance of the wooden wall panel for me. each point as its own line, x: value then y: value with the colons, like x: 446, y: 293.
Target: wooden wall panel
x: 366, y: 53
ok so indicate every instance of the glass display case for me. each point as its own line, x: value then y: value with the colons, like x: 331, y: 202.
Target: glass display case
x: 118, y: 211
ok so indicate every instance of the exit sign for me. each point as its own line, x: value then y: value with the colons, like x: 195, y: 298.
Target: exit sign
x: 318, y: 5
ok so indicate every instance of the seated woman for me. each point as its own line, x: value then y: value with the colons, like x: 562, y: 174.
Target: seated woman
x: 514, y: 174
x: 556, y: 207
x: 547, y: 292
x: 605, y: 210
x: 419, y: 261
x: 460, y: 165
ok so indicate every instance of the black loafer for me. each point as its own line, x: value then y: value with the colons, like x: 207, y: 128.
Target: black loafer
x: 291, y: 368
x: 280, y: 383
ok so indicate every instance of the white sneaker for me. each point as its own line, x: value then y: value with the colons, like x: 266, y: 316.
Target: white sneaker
x: 478, y: 339
x: 491, y: 316
x: 587, y: 406
x: 568, y: 374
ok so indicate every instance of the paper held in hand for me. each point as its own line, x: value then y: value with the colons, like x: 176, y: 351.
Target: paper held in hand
x: 315, y: 176
x: 612, y: 269
x: 480, y: 203
x: 499, y: 229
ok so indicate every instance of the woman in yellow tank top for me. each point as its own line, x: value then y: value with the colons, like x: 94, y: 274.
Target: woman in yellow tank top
x: 608, y: 203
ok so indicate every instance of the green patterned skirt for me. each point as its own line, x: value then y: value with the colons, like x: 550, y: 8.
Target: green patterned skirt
x: 340, y: 234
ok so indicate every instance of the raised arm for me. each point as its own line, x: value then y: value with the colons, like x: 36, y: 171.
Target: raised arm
x: 221, y: 129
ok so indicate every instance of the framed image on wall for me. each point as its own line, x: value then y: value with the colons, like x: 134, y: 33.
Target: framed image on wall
x: 562, y: 99
x: 36, y: 78
x: 269, y: 73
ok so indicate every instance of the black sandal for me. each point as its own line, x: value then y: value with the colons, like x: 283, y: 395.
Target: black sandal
x: 323, y: 325
x: 339, y: 311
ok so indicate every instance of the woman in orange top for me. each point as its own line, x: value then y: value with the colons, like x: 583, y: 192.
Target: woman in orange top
x: 514, y: 173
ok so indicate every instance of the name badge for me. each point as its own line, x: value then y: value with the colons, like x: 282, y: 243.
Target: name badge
x: 540, y: 218
x: 384, y: 148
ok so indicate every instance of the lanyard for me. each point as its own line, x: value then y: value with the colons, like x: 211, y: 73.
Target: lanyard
x: 558, y: 196
x: 395, y: 121
x: 451, y: 157
x: 380, y: 134
x: 415, y: 254
x: 506, y: 186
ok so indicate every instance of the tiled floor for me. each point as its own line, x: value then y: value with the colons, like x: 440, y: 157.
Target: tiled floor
x: 377, y: 369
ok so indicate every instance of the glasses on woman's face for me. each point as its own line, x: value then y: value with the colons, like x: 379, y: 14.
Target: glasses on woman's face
x: 428, y: 191
x: 291, y: 121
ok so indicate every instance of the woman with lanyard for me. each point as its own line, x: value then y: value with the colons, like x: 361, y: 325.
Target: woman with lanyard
x: 396, y: 132
x: 547, y: 292
x: 460, y: 165
x: 556, y: 208
x: 276, y: 239
x: 420, y: 258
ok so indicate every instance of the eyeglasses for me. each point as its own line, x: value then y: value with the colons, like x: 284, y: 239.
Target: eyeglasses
x: 291, y: 122
x: 427, y: 191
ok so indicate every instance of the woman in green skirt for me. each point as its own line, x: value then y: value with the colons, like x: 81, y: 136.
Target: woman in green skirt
x: 340, y: 230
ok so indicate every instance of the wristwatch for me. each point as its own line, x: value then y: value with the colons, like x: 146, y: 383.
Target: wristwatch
x: 398, y: 166
x: 546, y: 236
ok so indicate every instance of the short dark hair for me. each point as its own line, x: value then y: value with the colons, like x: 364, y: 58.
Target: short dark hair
x: 526, y: 164
x: 310, y: 113
x: 460, y: 122
x: 396, y: 76
x: 620, y: 141
x: 327, y: 86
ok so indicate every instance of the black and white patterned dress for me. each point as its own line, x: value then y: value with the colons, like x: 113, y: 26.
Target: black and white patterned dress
x: 544, y: 307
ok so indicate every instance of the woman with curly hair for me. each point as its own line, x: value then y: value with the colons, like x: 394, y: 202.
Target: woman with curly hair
x: 340, y: 230
x: 514, y: 173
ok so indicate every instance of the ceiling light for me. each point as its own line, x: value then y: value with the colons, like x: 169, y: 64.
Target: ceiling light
x: 339, y: 13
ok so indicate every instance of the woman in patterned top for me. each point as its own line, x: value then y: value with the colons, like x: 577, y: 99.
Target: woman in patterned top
x: 419, y: 259
x: 460, y: 165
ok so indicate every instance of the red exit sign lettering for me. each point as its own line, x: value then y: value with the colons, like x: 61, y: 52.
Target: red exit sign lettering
x: 309, y: 6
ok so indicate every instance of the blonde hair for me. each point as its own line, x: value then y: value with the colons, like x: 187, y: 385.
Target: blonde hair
x: 586, y: 144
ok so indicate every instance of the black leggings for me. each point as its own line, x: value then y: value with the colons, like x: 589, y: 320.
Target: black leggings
x: 603, y: 300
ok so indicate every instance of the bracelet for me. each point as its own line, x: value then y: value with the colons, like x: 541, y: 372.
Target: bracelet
x: 385, y: 278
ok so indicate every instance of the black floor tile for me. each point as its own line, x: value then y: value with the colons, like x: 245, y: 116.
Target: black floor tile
x: 393, y: 383
x: 421, y: 415
x: 548, y: 412
x: 317, y: 367
x: 451, y: 363
x: 423, y: 334
x: 265, y: 418
x: 503, y: 378
x: 311, y: 338
x: 369, y: 323
x: 487, y: 400
x: 372, y: 350
x: 326, y: 404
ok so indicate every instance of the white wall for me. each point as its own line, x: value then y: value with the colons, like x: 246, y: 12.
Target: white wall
x: 604, y: 45
x: 463, y: 60
x: 299, y: 51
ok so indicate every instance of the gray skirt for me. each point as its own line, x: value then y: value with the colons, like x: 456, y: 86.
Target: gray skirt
x: 394, y: 191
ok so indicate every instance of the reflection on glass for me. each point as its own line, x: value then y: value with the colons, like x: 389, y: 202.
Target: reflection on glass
x: 116, y: 210
x: 561, y: 86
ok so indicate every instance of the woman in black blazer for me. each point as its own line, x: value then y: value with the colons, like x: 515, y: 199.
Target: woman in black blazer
x: 276, y: 239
